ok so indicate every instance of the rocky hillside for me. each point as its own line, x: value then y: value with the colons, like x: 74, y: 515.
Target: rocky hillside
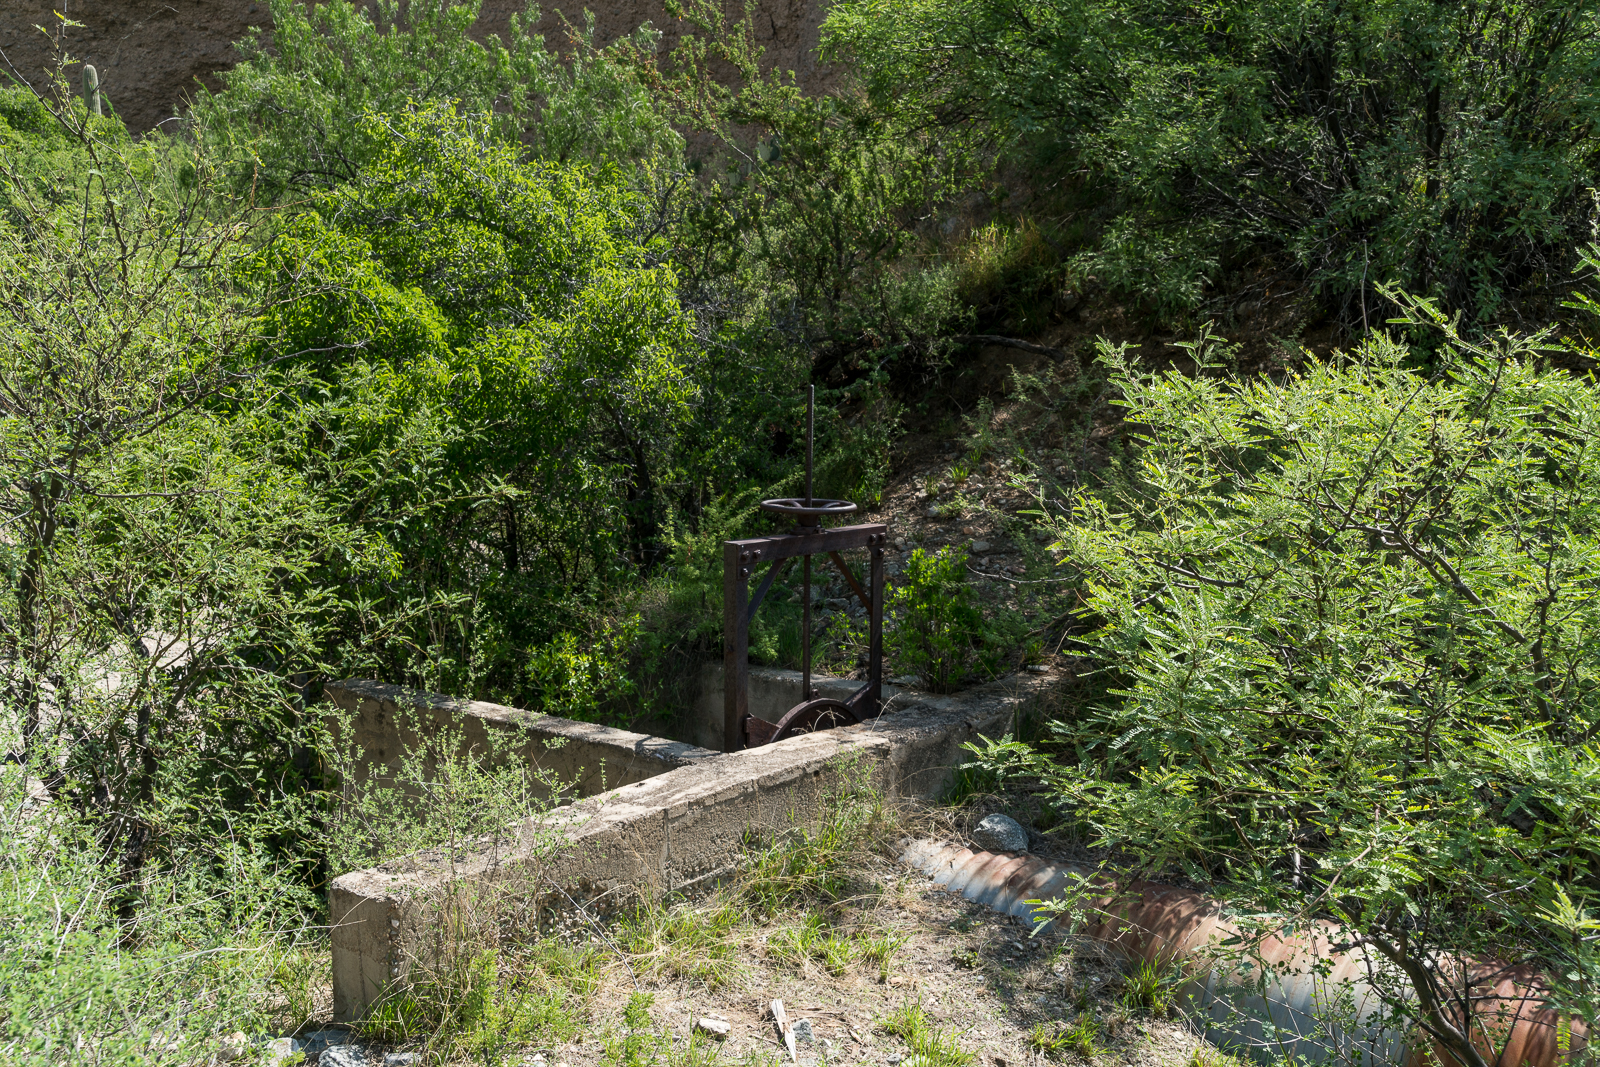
x: 151, y: 53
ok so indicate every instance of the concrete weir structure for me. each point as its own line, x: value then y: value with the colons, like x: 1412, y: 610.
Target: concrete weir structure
x: 656, y: 816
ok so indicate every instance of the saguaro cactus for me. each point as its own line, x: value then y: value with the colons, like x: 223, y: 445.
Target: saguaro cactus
x: 91, y: 88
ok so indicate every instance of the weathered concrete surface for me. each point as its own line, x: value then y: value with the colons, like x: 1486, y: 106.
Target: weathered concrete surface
x: 387, y: 721
x: 669, y: 832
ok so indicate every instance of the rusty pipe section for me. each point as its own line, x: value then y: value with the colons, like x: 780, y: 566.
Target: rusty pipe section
x: 1315, y: 1005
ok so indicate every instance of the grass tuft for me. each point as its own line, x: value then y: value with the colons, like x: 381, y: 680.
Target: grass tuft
x: 1081, y: 1037
x: 930, y: 1044
x: 1148, y: 986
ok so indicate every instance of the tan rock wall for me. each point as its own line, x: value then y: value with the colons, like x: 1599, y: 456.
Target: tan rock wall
x: 150, y: 53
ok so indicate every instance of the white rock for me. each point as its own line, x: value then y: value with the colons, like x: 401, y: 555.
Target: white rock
x: 980, y: 547
x: 280, y: 1049
x: 344, y: 1056
x: 802, y: 1032
x: 1000, y: 833
x: 399, y: 1059
x: 714, y: 1027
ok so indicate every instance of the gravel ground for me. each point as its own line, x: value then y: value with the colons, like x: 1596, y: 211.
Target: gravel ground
x: 978, y: 975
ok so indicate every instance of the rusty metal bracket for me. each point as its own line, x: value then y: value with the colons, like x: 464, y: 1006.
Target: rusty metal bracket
x: 808, y: 538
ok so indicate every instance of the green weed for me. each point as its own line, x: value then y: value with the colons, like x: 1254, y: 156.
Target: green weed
x: 1148, y: 986
x: 698, y: 943
x: 930, y: 1044
x: 814, y: 939
x: 482, y: 1011
x: 1211, y: 1056
x: 639, y: 1045
x: 821, y: 866
x: 1081, y: 1037
x: 882, y: 949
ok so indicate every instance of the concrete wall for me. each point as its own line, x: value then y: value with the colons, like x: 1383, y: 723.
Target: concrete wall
x: 670, y: 832
x: 381, y: 723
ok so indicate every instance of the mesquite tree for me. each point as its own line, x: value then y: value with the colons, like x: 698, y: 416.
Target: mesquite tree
x: 1354, y: 650
x: 150, y: 552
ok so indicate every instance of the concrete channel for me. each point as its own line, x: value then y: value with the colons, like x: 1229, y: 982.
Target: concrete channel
x: 655, y: 815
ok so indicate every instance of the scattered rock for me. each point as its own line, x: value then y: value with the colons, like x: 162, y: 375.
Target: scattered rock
x: 898, y: 979
x: 1000, y: 833
x: 894, y: 1058
x: 280, y: 1049
x: 234, y: 1046
x: 980, y: 547
x: 803, y: 1033
x: 714, y: 1027
x: 344, y: 1056
x: 1037, y: 668
x: 538, y: 1059
x: 399, y: 1059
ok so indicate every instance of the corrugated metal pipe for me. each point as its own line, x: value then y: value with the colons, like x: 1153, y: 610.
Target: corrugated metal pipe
x: 1315, y: 1006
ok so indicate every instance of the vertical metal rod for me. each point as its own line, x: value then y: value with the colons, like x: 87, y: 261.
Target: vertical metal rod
x: 805, y: 610
x: 811, y: 430
x: 736, y: 647
x: 875, y: 630
x: 805, y: 635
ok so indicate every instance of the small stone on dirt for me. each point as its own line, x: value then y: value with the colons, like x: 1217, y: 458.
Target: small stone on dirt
x: 1000, y: 833
x: 399, y: 1059
x: 802, y: 1032
x: 714, y: 1027
x: 980, y: 547
x: 233, y: 1047
x: 343, y: 1056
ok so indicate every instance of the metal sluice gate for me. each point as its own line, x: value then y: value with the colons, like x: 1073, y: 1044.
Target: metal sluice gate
x: 807, y: 538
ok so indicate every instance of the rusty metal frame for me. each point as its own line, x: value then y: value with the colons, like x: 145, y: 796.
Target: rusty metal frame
x: 740, y: 560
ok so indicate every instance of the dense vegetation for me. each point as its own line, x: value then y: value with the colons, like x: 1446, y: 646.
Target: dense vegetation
x: 449, y: 363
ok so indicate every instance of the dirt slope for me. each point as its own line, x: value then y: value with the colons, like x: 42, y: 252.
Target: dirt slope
x: 150, y: 52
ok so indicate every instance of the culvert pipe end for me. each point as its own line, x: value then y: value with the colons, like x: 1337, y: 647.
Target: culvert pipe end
x: 1316, y: 1006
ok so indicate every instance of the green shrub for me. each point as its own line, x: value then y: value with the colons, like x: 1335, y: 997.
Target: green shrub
x: 1350, y: 623
x: 289, y: 116
x: 1436, y: 146
x: 938, y: 630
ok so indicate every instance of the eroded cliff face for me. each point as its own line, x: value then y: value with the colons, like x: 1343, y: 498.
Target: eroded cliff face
x: 151, y: 53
